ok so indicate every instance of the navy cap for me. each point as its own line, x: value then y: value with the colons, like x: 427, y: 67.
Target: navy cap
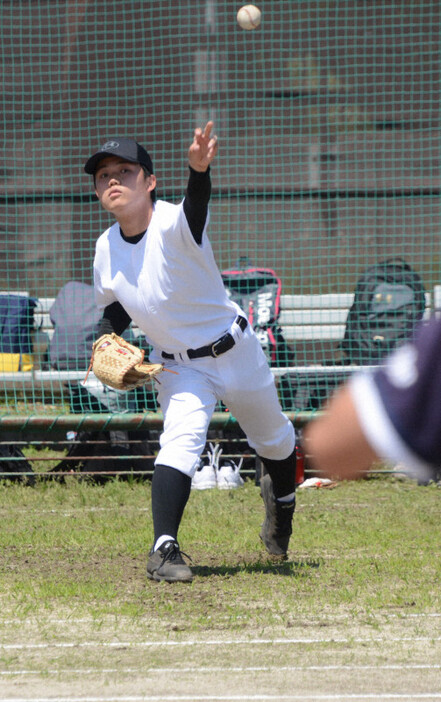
x: 125, y: 148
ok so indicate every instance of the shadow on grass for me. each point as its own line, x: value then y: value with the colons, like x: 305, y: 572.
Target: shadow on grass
x: 296, y: 569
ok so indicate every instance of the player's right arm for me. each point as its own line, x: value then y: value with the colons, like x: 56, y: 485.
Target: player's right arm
x: 114, y: 319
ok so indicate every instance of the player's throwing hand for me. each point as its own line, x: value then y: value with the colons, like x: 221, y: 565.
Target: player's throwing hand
x: 203, y: 148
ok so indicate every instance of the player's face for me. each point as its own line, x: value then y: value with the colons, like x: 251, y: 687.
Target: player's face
x: 120, y: 184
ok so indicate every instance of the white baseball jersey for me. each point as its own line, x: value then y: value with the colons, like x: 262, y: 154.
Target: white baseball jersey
x: 172, y: 289
x: 168, y: 284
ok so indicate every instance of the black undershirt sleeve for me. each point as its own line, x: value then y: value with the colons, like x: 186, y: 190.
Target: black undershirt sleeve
x: 196, y: 201
x: 115, y: 319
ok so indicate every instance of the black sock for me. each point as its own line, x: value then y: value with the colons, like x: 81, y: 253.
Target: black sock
x: 282, y: 473
x: 170, y: 493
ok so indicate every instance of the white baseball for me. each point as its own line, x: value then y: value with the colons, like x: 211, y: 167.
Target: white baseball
x: 249, y: 16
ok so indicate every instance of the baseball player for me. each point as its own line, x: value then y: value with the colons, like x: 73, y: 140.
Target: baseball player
x: 392, y: 414
x: 155, y: 266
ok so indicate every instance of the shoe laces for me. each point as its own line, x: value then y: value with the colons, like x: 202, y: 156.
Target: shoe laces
x: 234, y: 467
x: 171, y: 552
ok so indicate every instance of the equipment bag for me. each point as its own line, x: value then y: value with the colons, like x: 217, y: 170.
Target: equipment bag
x: 75, y: 319
x: 107, y: 454
x: 16, y: 329
x: 14, y: 466
x: 389, y: 300
x: 257, y: 291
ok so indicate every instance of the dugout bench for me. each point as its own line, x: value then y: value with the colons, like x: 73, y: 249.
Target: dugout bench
x: 311, y: 324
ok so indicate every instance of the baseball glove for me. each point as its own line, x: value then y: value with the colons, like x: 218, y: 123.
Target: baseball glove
x: 119, y: 364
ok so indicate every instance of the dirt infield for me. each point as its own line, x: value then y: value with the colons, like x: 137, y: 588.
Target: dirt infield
x: 353, y: 614
x: 333, y: 657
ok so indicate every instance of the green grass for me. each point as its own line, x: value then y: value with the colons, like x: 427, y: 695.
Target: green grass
x: 364, y: 547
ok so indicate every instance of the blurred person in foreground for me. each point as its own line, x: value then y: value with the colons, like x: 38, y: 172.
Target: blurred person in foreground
x: 391, y: 414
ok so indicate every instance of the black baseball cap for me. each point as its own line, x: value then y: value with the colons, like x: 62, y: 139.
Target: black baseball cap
x: 125, y: 148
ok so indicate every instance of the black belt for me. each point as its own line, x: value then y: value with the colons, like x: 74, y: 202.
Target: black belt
x: 217, y: 348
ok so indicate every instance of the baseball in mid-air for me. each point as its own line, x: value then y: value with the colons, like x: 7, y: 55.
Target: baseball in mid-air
x: 249, y: 16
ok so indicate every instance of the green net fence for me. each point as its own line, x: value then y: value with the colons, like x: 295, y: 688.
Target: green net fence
x: 329, y: 160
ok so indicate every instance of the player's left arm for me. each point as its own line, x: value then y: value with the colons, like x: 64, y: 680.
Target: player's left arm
x: 197, y: 197
x: 203, y: 148
x: 201, y: 153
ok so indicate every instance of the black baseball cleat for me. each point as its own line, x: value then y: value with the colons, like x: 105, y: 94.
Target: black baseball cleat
x: 166, y: 563
x: 277, y: 527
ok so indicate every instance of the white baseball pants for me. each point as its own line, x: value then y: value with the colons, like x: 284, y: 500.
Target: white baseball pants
x: 242, y: 380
